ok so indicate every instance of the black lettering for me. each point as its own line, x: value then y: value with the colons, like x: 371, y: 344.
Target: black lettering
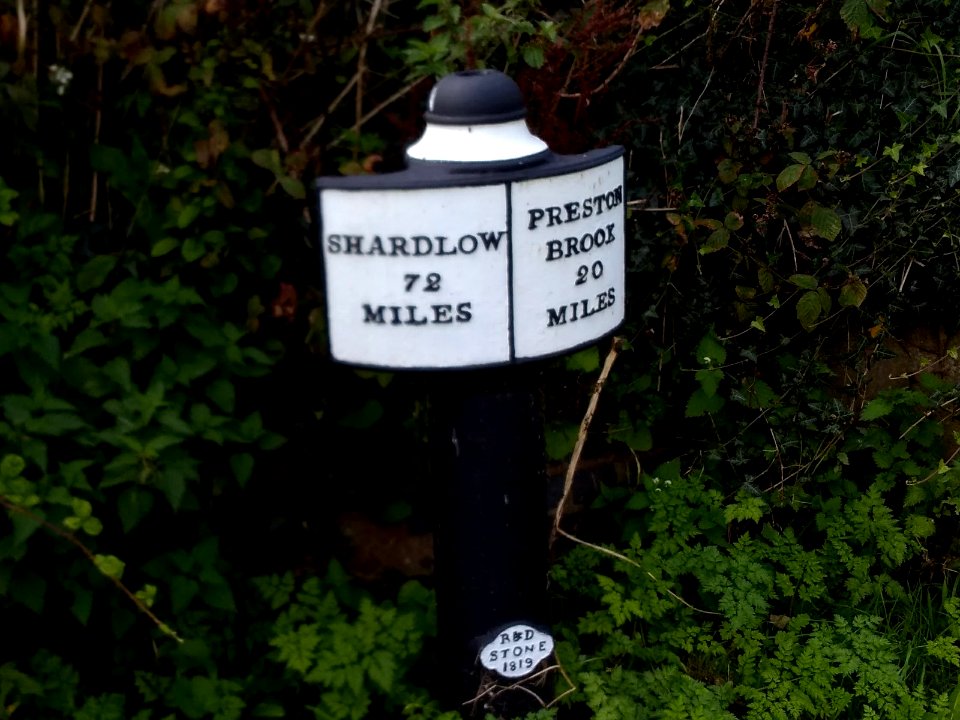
x: 442, y: 314
x: 333, y: 244
x: 586, y: 243
x: 376, y: 246
x: 598, y: 202
x: 493, y: 656
x: 557, y: 317
x: 373, y: 316
x: 504, y: 638
x: 412, y: 318
x: 353, y: 244
x: 611, y: 296
x: 464, y: 314
x: 421, y: 245
x: 573, y: 211
x: 587, y: 208
x: 610, y: 237
x: 491, y: 239
x: 517, y: 650
x: 587, y: 310
x: 553, y: 216
x: 601, y: 301
x: 543, y: 646
x: 611, y: 199
x: 528, y: 635
x: 440, y: 251
x: 398, y: 246
x: 529, y: 648
x: 395, y: 312
x: 554, y: 250
x: 574, y: 307
x: 468, y: 244
x: 536, y: 215
x: 572, y: 248
x: 618, y: 194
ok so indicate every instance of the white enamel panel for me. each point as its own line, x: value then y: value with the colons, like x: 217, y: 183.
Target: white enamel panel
x: 417, y: 278
x: 568, y: 259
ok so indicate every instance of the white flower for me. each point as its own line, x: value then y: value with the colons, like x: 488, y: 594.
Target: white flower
x: 60, y: 77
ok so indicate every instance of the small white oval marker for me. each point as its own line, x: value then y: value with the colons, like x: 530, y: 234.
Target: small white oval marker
x: 516, y: 651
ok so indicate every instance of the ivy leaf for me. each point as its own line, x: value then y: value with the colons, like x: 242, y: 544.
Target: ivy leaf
x: 808, y: 309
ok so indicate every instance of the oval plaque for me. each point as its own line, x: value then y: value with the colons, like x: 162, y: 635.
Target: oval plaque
x: 516, y: 651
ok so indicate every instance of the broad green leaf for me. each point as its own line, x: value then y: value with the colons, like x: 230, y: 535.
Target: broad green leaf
x: 292, y: 186
x: 800, y: 157
x: 93, y: 274
x: 162, y: 247
x: 853, y: 292
x: 188, y: 214
x: 533, y: 55
x: 808, y: 179
x: 876, y: 408
x: 586, y: 360
x: 11, y: 466
x: 710, y: 351
x: 709, y: 380
x: 133, y: 505
x: 825, y: 222
x: 192, y: 249
x: 701, y: 404
x: 242, y: 466
x: 109, y: 565
x: 804, y: 282
x: 789, y: 175
x: 808, y: 309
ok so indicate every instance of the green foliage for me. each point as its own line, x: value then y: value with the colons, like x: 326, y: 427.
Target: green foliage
x: 776, y: 509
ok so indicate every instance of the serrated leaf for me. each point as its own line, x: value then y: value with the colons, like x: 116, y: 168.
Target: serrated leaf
x: 876, y: 408
x: 809, y: 309
x: 804, y: 282
x: 789, y: 175
x: 825, y: 222
x: 534, y: 56
x: 709, y: 380
x: 701, y: 404
x: 808, y: 179
x: 710, y: 351
x: 852, y: 293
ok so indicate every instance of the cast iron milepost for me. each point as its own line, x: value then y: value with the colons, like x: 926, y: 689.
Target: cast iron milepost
x: 486, y: 254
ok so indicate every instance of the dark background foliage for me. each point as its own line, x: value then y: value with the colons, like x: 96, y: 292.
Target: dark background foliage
x: 205, y: 517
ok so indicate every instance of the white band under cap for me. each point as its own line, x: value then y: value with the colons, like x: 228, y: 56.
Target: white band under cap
x: 476, y: 143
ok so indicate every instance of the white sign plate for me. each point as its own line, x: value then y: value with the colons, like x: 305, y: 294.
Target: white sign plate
x: 448, y: 277
x: 516, y: 651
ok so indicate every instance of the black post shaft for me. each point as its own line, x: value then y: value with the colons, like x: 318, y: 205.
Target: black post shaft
x: 491, y: 530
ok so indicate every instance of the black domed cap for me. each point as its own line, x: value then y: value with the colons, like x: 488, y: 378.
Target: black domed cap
x: 475, y: 97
